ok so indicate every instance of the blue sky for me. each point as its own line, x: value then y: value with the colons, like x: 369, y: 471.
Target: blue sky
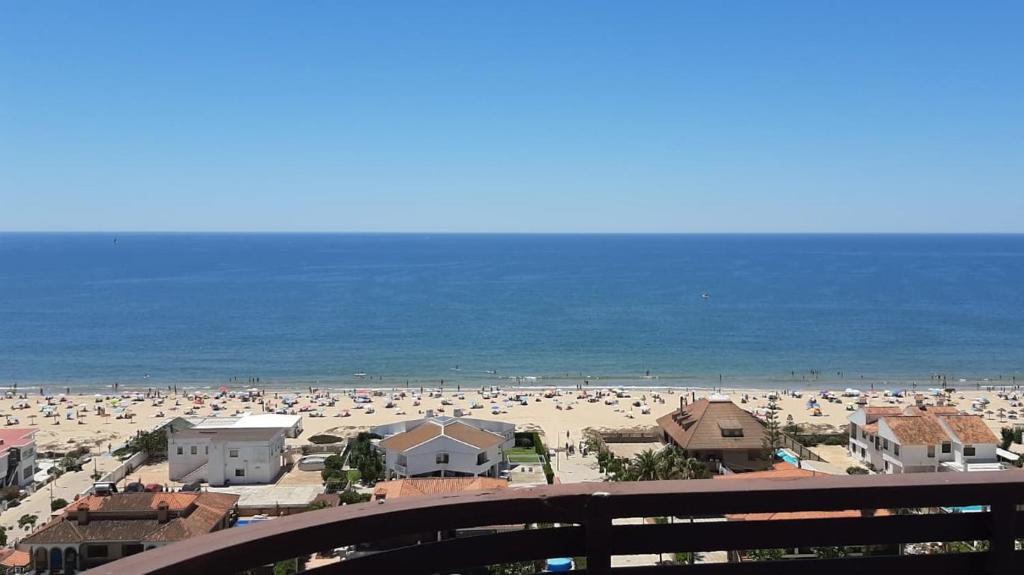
x: 519, y: 116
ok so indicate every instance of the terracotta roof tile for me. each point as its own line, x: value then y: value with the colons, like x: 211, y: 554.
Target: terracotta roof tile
x: 476, y: 437
x: 415, y: 436
x: 916, y: 430
x: 780, y: 471
x: 970, y: 429
x: 419, y: 486
x: 132, y: 517
x: 801, y: 515
x: 431, y: 429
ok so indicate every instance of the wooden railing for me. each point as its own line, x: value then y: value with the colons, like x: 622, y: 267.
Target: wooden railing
x: 585, y: 513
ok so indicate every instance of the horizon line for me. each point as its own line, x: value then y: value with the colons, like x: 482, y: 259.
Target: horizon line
x: 518, y: 233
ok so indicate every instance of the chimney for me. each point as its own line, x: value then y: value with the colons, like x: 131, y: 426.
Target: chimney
x: 162, y: 512
x: 83, y: 514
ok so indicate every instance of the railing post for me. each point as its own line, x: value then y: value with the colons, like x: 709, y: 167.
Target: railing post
x: 1001, y: 546
x: 599, y: 532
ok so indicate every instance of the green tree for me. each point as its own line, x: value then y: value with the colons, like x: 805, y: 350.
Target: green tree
x: 27, y: 521
x: 855, y: 470
x: 772, y: 439
x: 765, y: 554
x: 644, y: 466
x: 835, y: 552
x: 58, y: 504
x: 3, y: 537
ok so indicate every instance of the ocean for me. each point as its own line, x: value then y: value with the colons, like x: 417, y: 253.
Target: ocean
x: 144, y: 310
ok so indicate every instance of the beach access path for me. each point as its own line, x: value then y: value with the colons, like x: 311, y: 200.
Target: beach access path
x: 64, y: 487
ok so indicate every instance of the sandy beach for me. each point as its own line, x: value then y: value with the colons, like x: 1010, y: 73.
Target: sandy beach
x: 102, y: 422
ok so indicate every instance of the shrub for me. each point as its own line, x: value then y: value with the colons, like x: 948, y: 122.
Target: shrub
x: 324, y: 439
x: 549, y: 473
x: 349, y: 497
x: 854, y: 470
x: 58, y: 504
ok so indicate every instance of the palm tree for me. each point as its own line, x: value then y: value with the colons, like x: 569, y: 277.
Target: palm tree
x: 645, y: 466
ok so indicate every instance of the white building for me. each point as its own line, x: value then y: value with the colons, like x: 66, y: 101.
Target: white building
x: 445, y: 446
x: 17, y: 456
x: 228, y: 452
x: 918, y: 438
x: 292, y: 424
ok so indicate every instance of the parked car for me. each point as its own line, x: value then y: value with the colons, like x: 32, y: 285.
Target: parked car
x: 194, y: 486
x: 134, y: 487
x: 104, y: 488
x: 154, y: 487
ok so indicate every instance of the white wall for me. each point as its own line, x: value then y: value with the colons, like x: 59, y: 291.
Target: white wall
x: 462, y: 458
x: 260, y: 461
x: 181, y: 465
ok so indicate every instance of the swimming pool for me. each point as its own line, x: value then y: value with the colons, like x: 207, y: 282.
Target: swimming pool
x: 966, y: 509
x: 787, y: 456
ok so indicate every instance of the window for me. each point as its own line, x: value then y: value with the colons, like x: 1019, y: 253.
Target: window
x: 482, y: 458
x: 931, y: 451
x: 885, y: 444
x: 232, y: 453
x: 131, y: 549
x: 946, y: 447
x: 968, y: 451
x: 853, y: 430
x: 95, y: 551
x: 27, y: 453
x: 28, y: 473
x: 402, y: 460
x: 239, y: 473
x: 732, y: 432
x: 193, y: 450
x: 441, y: 458
x: 863, y: 434
x: 887, y: 466
x: 181, y: 450
x: 896, y: 448
x: 207, y: 448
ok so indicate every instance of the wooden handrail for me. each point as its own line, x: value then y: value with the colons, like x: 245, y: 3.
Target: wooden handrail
x: 587, y: 511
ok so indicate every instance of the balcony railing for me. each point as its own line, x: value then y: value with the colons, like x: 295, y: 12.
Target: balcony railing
x: 584, y: 514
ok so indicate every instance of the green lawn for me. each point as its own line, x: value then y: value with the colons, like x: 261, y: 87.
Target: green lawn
x: 522, y: 455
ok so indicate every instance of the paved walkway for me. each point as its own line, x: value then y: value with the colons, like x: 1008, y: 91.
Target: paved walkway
x: 65, y: 487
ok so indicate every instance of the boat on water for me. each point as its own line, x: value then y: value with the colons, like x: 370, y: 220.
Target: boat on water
x: 705, y: 295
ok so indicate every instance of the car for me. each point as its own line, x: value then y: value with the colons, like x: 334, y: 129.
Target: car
x: 134, y: 487
x: 194, y: 486
x: 104, y: 488
x: 154, y: 487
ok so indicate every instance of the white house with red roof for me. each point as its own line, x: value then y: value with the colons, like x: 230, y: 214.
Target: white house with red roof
x: 17, y: 456
x: 892, y: 439
x: 445, y: 447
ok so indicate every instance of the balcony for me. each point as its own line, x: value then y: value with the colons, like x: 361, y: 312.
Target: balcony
x: 585, y: 514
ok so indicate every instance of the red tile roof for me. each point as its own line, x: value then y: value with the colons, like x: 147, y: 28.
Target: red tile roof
x: 435, y: 486
x: 970, y: 428
x: 916, y: 430
x: 132, y: 517
x: 16, y: 437
x: 14, y: 558
x: 431, y: 429
x: 801, y: 515
x: 780, y: 471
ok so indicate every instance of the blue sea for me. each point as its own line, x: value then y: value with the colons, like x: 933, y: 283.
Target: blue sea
x: 89, y: 310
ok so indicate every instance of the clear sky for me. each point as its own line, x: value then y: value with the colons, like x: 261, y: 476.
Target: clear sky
x: 512, y: 116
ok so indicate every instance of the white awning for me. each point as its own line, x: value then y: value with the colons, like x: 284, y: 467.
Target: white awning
x: 1007, y: 455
